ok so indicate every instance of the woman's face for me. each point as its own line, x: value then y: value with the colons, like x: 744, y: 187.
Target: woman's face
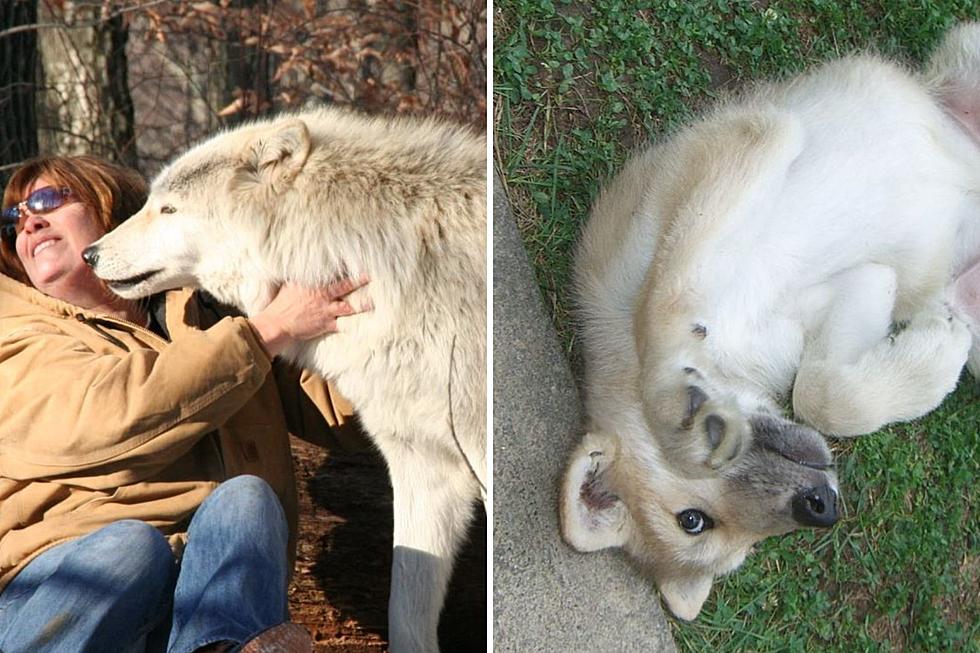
x: 50, y: 248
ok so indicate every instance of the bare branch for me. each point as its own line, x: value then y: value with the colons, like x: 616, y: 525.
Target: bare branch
x: 82, y: 25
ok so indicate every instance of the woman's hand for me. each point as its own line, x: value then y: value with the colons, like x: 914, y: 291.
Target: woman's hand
x: 298, y: 313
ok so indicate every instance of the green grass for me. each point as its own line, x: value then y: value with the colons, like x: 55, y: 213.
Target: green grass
x: 577, y: 86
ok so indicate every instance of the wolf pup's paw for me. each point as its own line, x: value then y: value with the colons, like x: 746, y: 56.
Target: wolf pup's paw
x: 711, y: 432
x: 933, y: 348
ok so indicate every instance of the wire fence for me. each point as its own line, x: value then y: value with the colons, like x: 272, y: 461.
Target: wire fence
x: 138, y: 81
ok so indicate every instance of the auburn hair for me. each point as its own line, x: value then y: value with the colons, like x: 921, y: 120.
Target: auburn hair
x: 113, y: 193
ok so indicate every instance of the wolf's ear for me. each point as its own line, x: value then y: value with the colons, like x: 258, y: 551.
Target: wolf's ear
x: 953, y: 73
x: 592, y: 516
x: 685, y: 595
x: 276, y: 157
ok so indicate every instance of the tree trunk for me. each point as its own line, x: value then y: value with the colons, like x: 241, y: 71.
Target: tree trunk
x: 84, y: 101
x: 396, y: 72
x: 249, y: 65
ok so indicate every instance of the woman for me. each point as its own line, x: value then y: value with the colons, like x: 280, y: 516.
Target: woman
x: 118, y: 421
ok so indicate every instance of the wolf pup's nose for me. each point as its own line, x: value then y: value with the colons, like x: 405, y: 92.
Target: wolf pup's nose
x: 91, y: 255
x: 816, y: 506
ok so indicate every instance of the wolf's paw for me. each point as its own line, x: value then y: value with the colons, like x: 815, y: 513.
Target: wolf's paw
x: 711, y: 431
x: 933, y: 331
x: 933, y: 348
x: 939, y: 315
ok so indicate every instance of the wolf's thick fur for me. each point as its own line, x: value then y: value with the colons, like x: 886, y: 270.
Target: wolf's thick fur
x: 816, y: 240
x: 325, y: 194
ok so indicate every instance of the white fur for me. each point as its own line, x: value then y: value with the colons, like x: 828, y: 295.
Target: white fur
x: 773, y: 247
x: 325, y: 194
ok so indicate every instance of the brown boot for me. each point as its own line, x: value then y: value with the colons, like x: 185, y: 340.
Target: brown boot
x: 284, y: 638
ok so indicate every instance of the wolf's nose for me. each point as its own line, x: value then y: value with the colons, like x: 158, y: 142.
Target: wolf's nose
x: 91, y: 255
x: 816, y: 506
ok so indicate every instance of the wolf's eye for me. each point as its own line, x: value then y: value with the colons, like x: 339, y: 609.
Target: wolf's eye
x: 168, y: 208
x: 694, y: 522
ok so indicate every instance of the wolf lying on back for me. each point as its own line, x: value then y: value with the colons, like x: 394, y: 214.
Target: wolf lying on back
x: 326, y: 194
x: 819, y: 237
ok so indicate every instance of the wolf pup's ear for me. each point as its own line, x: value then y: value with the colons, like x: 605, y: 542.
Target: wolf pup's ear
x: 685, y: 595
x: 953, y: 73
x: 276, y: 157
x: 592, y: 516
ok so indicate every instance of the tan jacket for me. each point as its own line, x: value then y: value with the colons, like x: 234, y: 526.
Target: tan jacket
x: 102, y: 420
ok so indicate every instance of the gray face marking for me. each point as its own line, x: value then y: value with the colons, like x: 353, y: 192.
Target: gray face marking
x: 182, y: 181
x: 794, y: 442
x: 784, y: 459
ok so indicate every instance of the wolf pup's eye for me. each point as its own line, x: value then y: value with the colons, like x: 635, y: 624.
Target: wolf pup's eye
x: 168, y: 208
x: 694, y: 522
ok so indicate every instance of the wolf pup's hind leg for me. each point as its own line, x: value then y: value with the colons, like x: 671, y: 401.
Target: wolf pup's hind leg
x: 855, y: 376
x: 954, y: 75
x: 965, y: 301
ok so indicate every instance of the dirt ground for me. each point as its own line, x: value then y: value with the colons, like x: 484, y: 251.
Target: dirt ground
x: 340, y: 586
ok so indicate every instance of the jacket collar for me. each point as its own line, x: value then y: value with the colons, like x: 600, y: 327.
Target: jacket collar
x: 18, y: 299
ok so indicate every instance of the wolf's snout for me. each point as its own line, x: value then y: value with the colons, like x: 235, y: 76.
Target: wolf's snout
x: 816, y: 506
x: 91, y: 255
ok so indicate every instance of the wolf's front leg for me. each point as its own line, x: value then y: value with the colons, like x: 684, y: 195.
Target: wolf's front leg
x: 723, y: 173
x: 433, y: 503
x: 856, y: 376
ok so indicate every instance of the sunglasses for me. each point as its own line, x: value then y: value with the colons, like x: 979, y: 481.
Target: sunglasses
x: 43, y: 200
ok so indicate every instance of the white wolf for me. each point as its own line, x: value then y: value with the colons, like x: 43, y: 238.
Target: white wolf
x: 817, y: 240
x: 324, y: 194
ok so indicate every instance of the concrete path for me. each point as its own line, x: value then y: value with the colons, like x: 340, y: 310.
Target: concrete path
x: 547, y: 597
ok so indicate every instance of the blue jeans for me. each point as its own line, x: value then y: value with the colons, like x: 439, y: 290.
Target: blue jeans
x: 120, y: 589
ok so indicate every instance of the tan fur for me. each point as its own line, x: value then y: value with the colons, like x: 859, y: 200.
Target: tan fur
x: 320, y: 195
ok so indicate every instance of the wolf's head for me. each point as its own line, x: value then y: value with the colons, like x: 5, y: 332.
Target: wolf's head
x: 207, y: 218
x: 619, y: 493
